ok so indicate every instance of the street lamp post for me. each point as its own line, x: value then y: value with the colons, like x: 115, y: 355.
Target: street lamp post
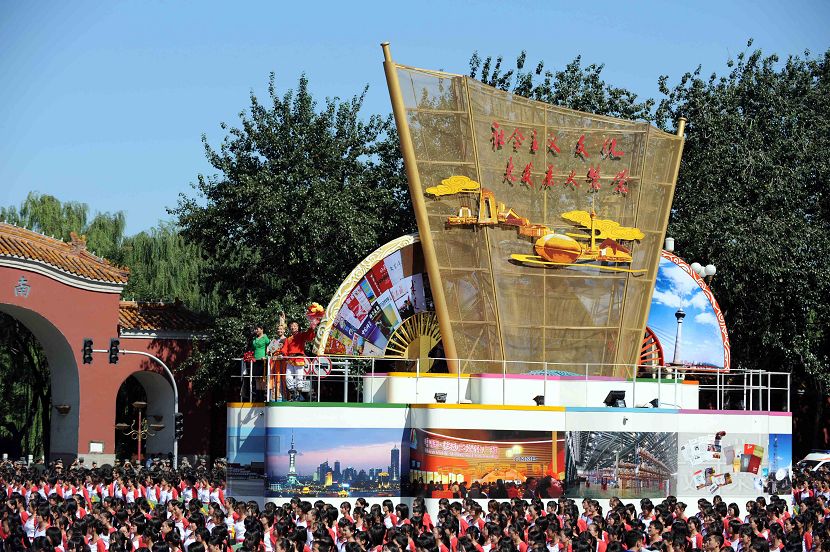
x: 706, y: 272
x: 172, y: 383
x: 139, y: 431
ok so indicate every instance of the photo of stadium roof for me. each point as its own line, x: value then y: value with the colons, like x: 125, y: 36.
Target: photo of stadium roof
x: 604, y: 464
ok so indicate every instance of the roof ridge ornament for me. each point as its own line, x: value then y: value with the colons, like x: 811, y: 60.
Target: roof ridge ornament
x: 21, y: 245
x: 77, y: 242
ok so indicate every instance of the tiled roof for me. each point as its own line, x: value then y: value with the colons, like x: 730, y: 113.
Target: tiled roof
x: 159, y: 317
x: 72, y: 258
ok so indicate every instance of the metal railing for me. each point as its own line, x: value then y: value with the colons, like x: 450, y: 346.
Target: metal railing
x: 735, y: 389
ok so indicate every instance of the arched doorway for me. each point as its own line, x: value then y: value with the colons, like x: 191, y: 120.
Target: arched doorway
x: 154, y: 390
x: 63, y: 440
x: 26, y: 391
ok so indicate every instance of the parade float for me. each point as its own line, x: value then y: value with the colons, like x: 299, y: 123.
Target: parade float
x: 535, y: 326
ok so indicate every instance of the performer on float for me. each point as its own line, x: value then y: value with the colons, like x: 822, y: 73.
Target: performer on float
x: 294, y: 349
x: 276, y: 390
x: 260, y: 344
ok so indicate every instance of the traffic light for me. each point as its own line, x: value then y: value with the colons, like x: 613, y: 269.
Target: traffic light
x: 179, y: 425
x: 114, y: 350
x: 87, y: 351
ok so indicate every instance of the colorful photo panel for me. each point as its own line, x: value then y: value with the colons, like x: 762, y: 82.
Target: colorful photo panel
x: 632, y: 465
x: 335, y: 462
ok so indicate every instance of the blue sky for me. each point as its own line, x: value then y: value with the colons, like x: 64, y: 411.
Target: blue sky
x: 781, y: 451
x: 105, y: 102
x: 701, y: 339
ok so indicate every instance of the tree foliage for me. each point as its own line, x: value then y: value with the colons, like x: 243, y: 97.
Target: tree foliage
x: 24, y: 386
x: 300, y: 195
x: 751, y: 198
x: 49, y: 216
x: 165, y: 267
x: 574, y: 86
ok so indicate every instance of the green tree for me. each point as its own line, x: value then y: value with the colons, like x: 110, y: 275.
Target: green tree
x: 47, y: 215
x: 574, y: 86
x: 300, y: 195
x: 751, y: 198
x: 165, y: 267
x: 24, y: 386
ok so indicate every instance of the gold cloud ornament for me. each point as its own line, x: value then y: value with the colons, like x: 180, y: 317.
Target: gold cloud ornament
x: 454, y: 185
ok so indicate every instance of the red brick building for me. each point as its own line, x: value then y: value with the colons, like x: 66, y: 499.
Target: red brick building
x: 63, y: 294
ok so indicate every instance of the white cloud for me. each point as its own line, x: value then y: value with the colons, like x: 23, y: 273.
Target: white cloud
x: 698, y: 301
x: 680, y: 282
x: 680, y: 289
x: 667, y: 298
x: 707, y: 318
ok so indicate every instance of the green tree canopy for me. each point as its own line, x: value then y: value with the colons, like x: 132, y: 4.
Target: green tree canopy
x: 574, y: 86
x: 165, y: 267
x: 300, y: 195
x: 47, y: 215
x: 25, y: 388
x: 751, y: 198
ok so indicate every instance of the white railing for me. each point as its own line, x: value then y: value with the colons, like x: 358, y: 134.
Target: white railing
x: 320, y: 367
x: 735, y: 389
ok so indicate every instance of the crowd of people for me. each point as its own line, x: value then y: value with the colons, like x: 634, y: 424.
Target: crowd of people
x: 126, y: 508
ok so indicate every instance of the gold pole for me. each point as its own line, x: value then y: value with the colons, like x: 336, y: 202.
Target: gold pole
x: 681, y: 128
x: 416, y: 193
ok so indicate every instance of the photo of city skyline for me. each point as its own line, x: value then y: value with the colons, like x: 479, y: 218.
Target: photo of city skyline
x: 334, y: 461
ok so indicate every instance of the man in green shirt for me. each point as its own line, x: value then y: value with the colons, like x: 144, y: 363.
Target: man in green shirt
x: 260, y: 344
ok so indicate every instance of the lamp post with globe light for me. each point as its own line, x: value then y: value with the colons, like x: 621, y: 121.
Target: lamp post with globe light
x: 141, y: 430
x: 706, y: 272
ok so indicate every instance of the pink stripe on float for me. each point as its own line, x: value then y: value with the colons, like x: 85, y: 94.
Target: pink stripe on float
x: 552, y: 377
x: 736, y: 412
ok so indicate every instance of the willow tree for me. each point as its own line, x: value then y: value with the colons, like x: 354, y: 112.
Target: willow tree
x: 164, y: 266
x: 47, y: 215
